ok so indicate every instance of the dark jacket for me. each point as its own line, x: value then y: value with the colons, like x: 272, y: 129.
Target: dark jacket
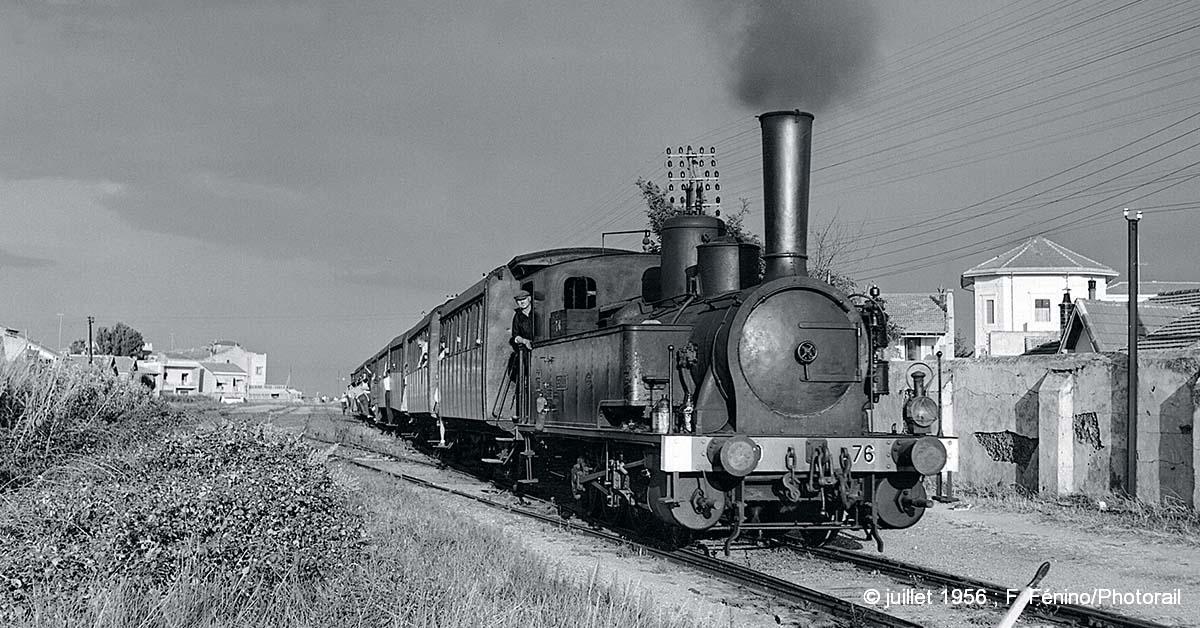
x: 523, y: 326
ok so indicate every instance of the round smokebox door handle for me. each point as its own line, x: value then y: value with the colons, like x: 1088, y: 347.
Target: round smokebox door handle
x: 806, y: 352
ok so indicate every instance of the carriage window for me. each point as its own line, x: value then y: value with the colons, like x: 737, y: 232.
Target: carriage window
x: 579, y: 293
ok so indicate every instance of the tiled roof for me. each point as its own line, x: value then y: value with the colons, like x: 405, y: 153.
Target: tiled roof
x: 188, y: 354
x: 1108, y: 321
x: 223, y: 368
x: 1153, y: 287
x: 916, y: 314
x: 1038, y: 256
x: 1181, y: 332
x: 1189, y: 298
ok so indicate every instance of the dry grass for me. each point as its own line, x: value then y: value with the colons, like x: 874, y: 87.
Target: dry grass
x: 422, y: 566
x: 51, y: 413
x: 1171, y: 520
x: 170, y: 532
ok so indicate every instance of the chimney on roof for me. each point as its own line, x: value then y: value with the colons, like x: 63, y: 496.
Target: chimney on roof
x: 1064, y: 313
x: 1091, y: 289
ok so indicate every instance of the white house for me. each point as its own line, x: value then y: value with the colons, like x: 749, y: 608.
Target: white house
x: 925, y: 323
x: 13, y: 344
x: 1017, y: 294
x: 253, y: 364
x: 223, y: 380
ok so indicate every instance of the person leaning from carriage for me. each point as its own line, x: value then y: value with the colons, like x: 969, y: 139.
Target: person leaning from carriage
x: 523, y: 330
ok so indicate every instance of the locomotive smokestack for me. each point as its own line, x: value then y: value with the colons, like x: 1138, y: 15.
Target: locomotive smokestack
x: 787, y: 152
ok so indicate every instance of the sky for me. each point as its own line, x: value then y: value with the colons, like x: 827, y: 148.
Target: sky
x: 307, y: 178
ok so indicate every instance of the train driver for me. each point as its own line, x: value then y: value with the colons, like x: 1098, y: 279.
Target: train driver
x: 522, y: 342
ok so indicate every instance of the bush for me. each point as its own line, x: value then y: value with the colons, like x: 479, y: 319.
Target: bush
x: 237, y: 501
x: 50, y: 413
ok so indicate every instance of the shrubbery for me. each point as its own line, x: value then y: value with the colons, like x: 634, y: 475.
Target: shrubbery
x: 50, y: 413
x: 238, y: 500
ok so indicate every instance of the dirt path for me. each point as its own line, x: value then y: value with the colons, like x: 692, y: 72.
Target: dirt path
x: 1000, y: 547
x: 1006, y: 548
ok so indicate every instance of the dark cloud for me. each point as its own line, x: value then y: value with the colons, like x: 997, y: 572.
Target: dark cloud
x: 785, y: 54
x: 282, y: 128
x: 8, y: 260
x: 305, y: 129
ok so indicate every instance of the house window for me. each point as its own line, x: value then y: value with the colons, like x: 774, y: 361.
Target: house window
x: 990, y: 307
x: 913, y: 349
x: 258, y: 370
x: 1041, y: 310
x: 579, y: 293
x: 183, y: 378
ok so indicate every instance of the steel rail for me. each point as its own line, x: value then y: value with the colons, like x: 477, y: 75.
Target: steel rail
x: 762, y: 583
x: 1069, y: 614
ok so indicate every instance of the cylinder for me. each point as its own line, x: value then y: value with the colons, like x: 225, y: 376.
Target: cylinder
x: 719, y: 265
x: 787, y: 153
x: 681, y: 235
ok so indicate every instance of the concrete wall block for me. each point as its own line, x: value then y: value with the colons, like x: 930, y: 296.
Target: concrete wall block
x: 1195, y: 446
x: 1058, y: 423
x: 1056, y: 434
x: 1166, y: 409
x: 1097, y: 429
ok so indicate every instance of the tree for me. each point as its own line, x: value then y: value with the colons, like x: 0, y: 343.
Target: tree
x: 120, y: 340
x: 78, y: 347
x: 962, y: 348
x: 658, y: 210
x: 827, y: 246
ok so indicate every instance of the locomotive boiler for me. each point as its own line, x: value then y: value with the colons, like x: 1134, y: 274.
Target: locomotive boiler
x: 679, y: 388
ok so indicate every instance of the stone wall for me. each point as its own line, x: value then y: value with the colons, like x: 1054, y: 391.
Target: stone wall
x: 1057, y: 424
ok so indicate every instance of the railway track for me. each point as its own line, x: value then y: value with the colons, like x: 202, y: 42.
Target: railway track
x: 998, y: 596
x: 750, y: 579
x: 1067, y: 614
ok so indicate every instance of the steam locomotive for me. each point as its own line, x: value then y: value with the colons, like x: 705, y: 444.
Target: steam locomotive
x: 677, y: 388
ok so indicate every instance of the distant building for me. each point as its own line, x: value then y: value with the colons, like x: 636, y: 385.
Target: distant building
x: 14, y: 345
x: 1017, y: 294
x: 1103, y: 327
x: 274, y: 392
x: 253, y: 364
x: 926, y: 324
x: 223, y: 380
x: 199, y: 370
x: 1151, y: 290
x: 181, y: 376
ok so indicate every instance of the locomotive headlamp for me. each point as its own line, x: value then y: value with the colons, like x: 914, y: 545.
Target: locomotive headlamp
x: 922, y: 411
x: 926, y: 455
x: 738, y: 456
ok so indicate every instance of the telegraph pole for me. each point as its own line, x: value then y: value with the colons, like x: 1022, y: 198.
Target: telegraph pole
x: 91, y: 319
x: 692, y: 172
x: 59, y: 347
x: 1131, y: 431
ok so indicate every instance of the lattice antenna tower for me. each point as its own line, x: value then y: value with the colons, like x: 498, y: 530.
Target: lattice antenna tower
x: 695, y: 170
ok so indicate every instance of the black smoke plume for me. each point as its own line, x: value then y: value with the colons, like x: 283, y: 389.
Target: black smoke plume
x: 787, y: 54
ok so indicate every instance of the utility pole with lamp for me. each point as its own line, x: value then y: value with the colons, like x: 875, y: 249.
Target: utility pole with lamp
x: 1131, y: 425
